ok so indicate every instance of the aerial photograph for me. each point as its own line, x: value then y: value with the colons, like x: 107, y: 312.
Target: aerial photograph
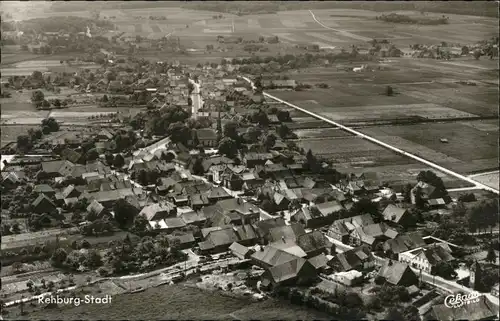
x: 249, y: 160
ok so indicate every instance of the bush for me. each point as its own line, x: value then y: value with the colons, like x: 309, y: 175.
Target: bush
x: 379, y: 280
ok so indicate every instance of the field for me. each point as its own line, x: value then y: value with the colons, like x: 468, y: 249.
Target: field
x: 27, y: 67
x: 176, y: 302
x: 467, y: 150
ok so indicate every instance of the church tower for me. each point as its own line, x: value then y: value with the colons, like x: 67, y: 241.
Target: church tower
x: 475, y: 275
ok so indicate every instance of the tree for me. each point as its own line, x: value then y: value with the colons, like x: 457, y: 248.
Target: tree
x: 477, y: 54
x: 231, y: 130
x: 253, y: 134
x: 109, y: 158
x: 124, y: 213
x: 37, y: 75
x: 444, y: 270
x: 51, y: 123
x: 59, y: 257
x: 24, y: 142
x: 179, y: 133
x: 395, y: 314
x: 228, y: 147
x: 379, y: 280
x: 407, y: 193
x: 105, y: 99
x: 198, y: 168
x: 284, y: 116
x: 284, y: 131
x: 140, y: 225
x: 119, y: 161
x: 37, y: 97
x: 92, y: 154
x: 269, y: 141
x: 491, y: 256
x: 465, y: 51
x: 389, y: 91
x: 431, y: 178
x: 411, y: 313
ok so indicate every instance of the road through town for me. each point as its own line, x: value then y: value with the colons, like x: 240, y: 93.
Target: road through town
x: 381, y: 143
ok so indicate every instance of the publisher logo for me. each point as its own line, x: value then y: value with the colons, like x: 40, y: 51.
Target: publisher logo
x: 459, y: 300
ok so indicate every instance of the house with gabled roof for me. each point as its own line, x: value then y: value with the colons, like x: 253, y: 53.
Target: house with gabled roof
x: 44, y: 189
x: 313, y: 243
x: 298, y: 271
x: 372, y: 234
x: 219, y: 240
x: 403, y: 243
x: 97, y: 210
x: 395, y: 215
x: 42, y: 204
x: 358, y: 258
x: 288, y: 232
x: 341, y: 229
x: 158, y: 211
x: 240, y: 251
x: 397, y: 273
x: 426, y: 258
x: 185, y: 240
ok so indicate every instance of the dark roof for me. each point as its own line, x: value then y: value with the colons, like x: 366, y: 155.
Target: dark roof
x: 393, y: 271
x: 353, y: 258
x: 42, y: 198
